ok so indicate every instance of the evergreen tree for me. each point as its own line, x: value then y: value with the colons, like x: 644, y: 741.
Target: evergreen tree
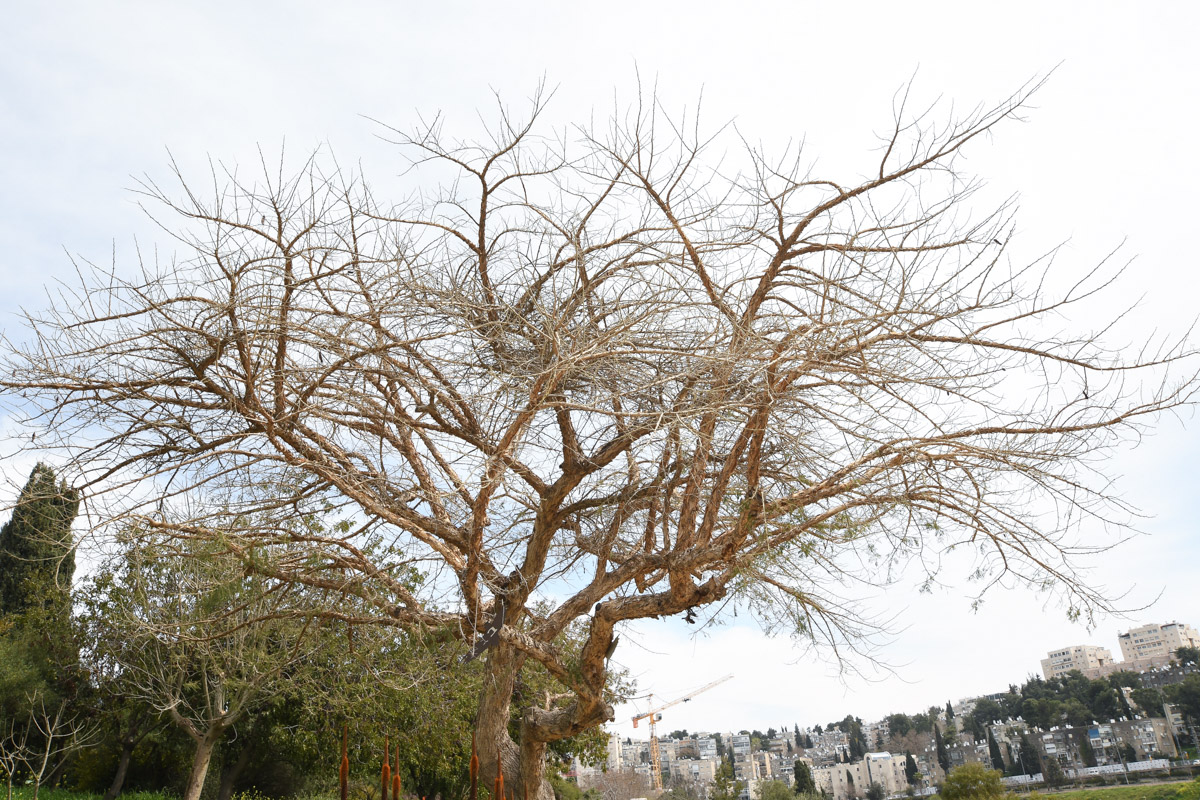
x: 994, y: 752
x: 943, y: 755
x: 724, y: 787
x: 804, y: 778
x: 37, y: 554
x: 1031, y: 762
x: 949, y: 711
x: 911, y: 772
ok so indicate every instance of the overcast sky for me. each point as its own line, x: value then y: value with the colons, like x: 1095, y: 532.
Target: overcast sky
x: 94, y: 94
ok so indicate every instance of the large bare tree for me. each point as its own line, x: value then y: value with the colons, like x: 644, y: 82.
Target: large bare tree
x: 601, y: 368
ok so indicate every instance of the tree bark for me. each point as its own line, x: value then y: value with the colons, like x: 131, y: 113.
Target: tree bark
x: 118, y: 780
x: 204, y: 751
x: 524, y: 766
x: 231, y: 772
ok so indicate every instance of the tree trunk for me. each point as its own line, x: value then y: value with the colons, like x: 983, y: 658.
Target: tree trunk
x: 231, y: 772
x: 524, y: 766
x: 118, y: 780
x: 204, y: 751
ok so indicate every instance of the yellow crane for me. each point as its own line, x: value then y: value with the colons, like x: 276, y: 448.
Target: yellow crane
x: 655, y: 715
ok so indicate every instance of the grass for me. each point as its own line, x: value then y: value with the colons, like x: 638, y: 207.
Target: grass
x: 1181, y: 790
x: 26, y: 793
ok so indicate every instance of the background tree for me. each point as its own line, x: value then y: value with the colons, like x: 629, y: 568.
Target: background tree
x: 1028, y: 757
x: 774, y: 790
x: 911, y: 773
x: 591, y: 360
x: 1187, y: 655
x: 804, y: 783
x: 37, y: 550
x: 725, y: 786
x: 994, y: 753
x: 972, y: 781
x: 42, y: 686
x: 1052, y: 773
x: 943, y: 755
x: 206, y: 645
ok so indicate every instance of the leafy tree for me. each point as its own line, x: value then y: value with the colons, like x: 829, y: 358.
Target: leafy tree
x: 724, y: 786
x: 1086, y: 753
x: 1052, y: 773
x: 898, y: 724
x: 774, y: 790
x: 1186, y: 695
x: 1149, y: 700
x: 875, y: 791
x: 1187, y: 655
x: 586, y: 358
x: 972, y: 781
x: 804, y: 783
x: 1028, y: 758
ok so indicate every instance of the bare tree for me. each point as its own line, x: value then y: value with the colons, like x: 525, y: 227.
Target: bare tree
x: 597, y: 361
x: 39, y: 747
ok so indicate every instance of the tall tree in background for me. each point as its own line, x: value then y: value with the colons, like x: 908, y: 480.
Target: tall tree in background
x: 911, y: 773
x: 804, y: 783
x: 598, y: 366
x: 39, y: 650
x: 994, y: 752
x: 37, y: 551
x: 943, y: 755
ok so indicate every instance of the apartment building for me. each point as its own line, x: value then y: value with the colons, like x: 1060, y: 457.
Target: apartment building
x: 1150, y: 641
x: 847, y: 781
x: 699, y: 771
x: 1082, y: 657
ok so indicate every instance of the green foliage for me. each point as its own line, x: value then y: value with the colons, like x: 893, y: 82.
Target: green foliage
x: 994, y: 752
x: 943, y: 755
x: 1186, y: 695
x: 911, y: 773
x: 724, y: 787
x: 875, y: 792
x: 774, y: 790
x: 1052, y: 773
x: 804, y: 783
x: 37, y: 552
x: 1188, y: 655
x: 972, y: 781
x: 1183, y: 790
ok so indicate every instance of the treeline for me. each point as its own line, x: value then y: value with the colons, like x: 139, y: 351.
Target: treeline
x: 172, y: 666
x: 1073, y: 700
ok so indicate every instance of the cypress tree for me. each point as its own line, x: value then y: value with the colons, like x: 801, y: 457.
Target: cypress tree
x: 943, y: 756
x: 37, y: 553
x: 910, y: 768
x: 994, y: 752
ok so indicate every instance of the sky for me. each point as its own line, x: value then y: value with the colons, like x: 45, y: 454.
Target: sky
x: 95, y: 96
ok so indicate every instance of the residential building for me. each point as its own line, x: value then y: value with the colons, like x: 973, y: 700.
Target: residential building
x: 1082, y: 657
x: 701, y: 771
x: 848, y: 781
x: 1152, y: 640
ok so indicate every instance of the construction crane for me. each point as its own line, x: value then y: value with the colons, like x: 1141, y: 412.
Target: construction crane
x: 655, y: 715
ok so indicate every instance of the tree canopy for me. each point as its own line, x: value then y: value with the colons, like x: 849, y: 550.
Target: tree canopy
x: 597, y: 366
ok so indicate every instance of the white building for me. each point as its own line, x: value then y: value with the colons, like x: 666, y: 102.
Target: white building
x: 1150, y: 641
x: 1082, y: 657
